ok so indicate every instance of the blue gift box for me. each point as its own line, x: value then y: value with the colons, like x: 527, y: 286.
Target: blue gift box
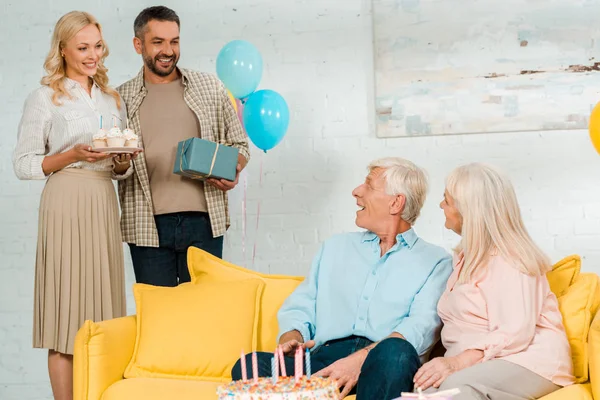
x: 200, y: 159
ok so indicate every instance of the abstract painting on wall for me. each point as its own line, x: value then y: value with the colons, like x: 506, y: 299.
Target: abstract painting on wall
x: 474, y: 66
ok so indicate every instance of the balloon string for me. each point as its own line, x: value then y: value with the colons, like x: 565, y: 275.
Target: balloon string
x: 244, y: 213
x: 257, y: 212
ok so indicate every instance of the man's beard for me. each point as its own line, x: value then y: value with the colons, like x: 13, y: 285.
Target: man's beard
x: 151, y: 64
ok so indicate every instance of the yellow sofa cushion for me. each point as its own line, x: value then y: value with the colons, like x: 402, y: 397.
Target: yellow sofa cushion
x: 205, y: 268
x: 576, y: 305
x: 161, y: 389
x: 563, y: 274
x: 571, y: 392
x: 594, y: 352
x: 194, y: 331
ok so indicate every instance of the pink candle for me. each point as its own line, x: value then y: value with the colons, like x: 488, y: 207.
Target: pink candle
x: 243, y: 363
x: 254, y: 367
x: 281, y: 361
x: 298, y: 363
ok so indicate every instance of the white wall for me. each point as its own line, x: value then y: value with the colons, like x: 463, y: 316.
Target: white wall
x: 318, y: 55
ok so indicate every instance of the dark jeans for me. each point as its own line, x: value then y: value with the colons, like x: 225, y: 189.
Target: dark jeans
x: 387, y: 371
x: 167, y: 265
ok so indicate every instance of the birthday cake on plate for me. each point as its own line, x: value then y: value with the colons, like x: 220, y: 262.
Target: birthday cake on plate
x: 279, y: 386
x: 286, y: 388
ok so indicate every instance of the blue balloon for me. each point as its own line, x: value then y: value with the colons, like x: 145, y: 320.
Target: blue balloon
x: 239, y: 67
x: 266, y: 118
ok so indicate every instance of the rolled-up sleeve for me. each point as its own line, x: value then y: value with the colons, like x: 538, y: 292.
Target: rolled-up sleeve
x: 32, y: 137
x: 514, y: 302
x: 124, y: 175
x: 298, y: 312
x: 422, y: 326
x: 129, y: 172
x: 234, y: 132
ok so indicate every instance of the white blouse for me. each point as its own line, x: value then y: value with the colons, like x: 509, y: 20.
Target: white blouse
x: 47, y: 129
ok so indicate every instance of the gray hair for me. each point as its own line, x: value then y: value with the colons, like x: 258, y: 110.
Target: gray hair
x: 405, y: 178
x: 158, y: 13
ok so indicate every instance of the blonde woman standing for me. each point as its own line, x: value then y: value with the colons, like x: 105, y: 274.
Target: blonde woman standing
x: 503, y: 332
x: 79, y: 272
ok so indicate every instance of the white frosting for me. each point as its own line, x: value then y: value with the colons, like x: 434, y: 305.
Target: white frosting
x: 316, y: 388
x: 115, y: 133
x: 100, y: 135
x: 320, y: 394
x: 129, y: 134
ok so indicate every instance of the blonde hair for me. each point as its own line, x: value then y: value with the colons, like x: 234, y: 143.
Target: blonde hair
x: 405, y: 178
x: 491, y: 221
x: 55, y: 65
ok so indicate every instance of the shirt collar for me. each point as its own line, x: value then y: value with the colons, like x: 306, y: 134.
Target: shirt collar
x: 139, y: 86
x: 407, y: 238
x: 72, y: 84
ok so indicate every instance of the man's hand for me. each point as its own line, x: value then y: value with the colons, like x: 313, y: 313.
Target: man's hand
x: 224, y: 184
x: 289, y: 341
x: 290, y: 346
x: 345, y: 371
x: 435, y: 372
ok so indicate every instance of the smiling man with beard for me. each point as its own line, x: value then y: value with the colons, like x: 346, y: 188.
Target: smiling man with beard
x: 163, y: 214
x: 368, y: 308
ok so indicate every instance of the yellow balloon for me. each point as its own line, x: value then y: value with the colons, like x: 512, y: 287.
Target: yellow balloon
x: 595, y: 127
x: 232, y: 100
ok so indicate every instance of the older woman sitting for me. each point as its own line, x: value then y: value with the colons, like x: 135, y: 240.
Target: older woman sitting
x: 503, y: 331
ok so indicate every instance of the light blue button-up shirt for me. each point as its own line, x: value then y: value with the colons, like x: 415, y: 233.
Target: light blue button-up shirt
x: 352, y: 290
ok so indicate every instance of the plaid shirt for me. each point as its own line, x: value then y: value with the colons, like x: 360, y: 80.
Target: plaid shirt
x: 207, y: 98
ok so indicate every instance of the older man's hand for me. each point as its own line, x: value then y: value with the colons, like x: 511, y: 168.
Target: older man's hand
x: 345, y: 371
x: 289, y: 341
x: 290, y: 346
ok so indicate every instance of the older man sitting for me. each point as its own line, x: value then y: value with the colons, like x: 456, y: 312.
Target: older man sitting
x: 367, y: 310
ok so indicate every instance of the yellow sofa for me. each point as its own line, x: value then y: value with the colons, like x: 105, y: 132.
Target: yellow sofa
x: 132, y: 357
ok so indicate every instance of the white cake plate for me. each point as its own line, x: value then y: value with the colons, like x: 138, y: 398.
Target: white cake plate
x: 116, y: 150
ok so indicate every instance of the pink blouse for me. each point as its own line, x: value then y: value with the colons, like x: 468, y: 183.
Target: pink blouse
x: 509, y: 316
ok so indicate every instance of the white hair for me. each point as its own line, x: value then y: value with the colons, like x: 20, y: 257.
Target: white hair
x: 405, y: 178
x: 486, y: 199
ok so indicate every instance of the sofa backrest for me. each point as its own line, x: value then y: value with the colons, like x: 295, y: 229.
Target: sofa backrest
x: 206, y: 268
x: 578, y: 300
x: 578, y: 297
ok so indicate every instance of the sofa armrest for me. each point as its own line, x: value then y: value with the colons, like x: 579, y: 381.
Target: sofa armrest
x: 102, y: 352
x: 594, y: 354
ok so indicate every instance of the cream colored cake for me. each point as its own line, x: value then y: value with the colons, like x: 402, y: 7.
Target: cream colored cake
x: 99, y: 139
x: 131, y: 139
x: 286, y: 388
x: 115, y: 138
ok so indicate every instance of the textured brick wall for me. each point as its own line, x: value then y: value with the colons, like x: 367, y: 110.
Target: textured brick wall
x: 318, y: 54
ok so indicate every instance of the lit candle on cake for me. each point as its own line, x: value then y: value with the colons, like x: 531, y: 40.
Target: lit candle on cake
x: 243, y: 364
x: 254, y: 367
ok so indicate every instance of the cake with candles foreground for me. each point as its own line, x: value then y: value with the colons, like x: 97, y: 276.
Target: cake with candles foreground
x: 279, y: 386
x: 285, y: 388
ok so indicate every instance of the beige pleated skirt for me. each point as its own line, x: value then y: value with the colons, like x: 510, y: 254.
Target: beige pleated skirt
x: 79, y: 272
